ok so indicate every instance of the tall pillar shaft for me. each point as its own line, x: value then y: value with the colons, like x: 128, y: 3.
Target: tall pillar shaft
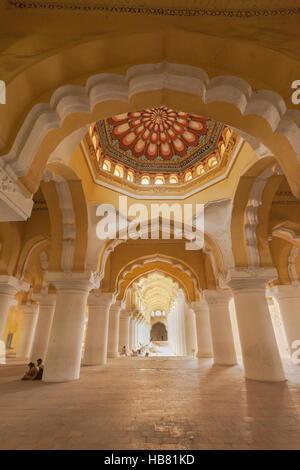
x: 28, y: 329
x: 113, y: 330
x: 43, y: 326
x: 65, y: 343
x: 124, y: 329
x: 203, y: 329
x: 220, y: 324
x: 190, y: 331
x: 288, y: 298
x: 9, y: 286
x: 95, y: 351
x: 258, y: 343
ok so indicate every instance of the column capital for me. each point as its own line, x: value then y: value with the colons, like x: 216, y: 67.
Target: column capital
x: 45, y: 299
x: 30, y: 309
x: 218, y: 296
x: 285, y: 291
x: 116, y: 306
x: 101, y: 299
x: 72, y: 281
x: 199, y: 305
x: 125, y: 313
x: 10, y: 285
x: 250, y: 279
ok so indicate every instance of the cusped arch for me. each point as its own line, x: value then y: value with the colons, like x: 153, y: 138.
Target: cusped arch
x: 262, y: 114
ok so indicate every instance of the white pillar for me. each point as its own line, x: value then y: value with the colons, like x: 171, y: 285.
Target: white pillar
x: 9, y: 286
x: 113, y: 329
x: 43, y: 326
x: 288, y: 298
x: 190, y: 331
x: 220, y: 324
x: 28, y: 329
x: 124, y: 328
x: 203, y: 329
x: 65, y: 343
x: 95, y: 350
x: 259, y: 348
x: 132, y: 333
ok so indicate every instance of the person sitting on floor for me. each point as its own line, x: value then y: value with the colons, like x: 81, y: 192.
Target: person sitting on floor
x: 124, y: 351
x: 31, y: 373
x: 40, y: 367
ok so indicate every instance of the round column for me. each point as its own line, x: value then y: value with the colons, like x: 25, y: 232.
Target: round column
x: 28, y: 329
x: 113, y: 330
x: 65, y: 343
x: 288, y: 298
x: 190, y: 331
x: 202, y: 329
x: 9, y: 286
x: 220, y: 325
x: 95, y: 351
x: 132, y: 333
x: 43, y: 326
x: 259, y: 348
x: 124, y: 329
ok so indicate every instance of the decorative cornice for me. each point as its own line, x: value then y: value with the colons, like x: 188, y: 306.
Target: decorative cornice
x: 17, y: 205
x: 11, y: 285
x: 73, y: 282
x: 100, y: 299
x: 281, y: 292
x: 139, y: 10
x: 219, y: 296
x: 252, y: 279
x: 45, y: 300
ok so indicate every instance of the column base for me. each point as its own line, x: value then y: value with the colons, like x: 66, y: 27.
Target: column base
x: 203, y: 356
x: 93, y: 363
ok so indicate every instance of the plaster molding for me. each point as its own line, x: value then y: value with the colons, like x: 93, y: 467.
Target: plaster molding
x: 69, y: 99
x: 73, y: 281
x: 217, y: 226
x: 153, y: 260
x: 10, y: 285
x: 68, y: 221
x: 286, y: 292
x: 252, y: 279
x: 217, y: 297
x: 287, y: 234
x: 175, y: 8
x: 100, y: 299
x: 45, y: 300
x: 14, y: 204
x: 292, y: 269
x: 251, y: 215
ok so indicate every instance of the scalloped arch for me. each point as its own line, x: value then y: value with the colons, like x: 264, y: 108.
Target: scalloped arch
x: 262, y: 113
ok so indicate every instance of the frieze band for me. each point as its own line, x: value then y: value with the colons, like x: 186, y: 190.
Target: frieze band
x: 232, y: 13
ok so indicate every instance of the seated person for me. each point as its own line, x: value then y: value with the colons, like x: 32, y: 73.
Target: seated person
x: 40, y: 367
x: 124, y: 351
x: 31, y: 373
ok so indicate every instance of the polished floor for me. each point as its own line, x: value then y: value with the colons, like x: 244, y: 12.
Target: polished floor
x: 150, y: 403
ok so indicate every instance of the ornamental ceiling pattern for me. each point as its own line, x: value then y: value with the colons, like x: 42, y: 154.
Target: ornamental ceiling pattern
x: 227, y: 8
x: 159, y: 139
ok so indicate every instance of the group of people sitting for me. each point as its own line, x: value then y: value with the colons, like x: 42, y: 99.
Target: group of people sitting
x: 142, y: 350
x: 34, y: 372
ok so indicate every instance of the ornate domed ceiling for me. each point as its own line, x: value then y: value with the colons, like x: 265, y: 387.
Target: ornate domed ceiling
x: 158, y: 140
x: 159, y: 146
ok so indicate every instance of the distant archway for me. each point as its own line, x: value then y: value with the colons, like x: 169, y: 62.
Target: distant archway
x: 159, y: 332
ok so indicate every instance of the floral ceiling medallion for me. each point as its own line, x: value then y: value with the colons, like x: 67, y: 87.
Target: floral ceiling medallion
x: 159, y: 139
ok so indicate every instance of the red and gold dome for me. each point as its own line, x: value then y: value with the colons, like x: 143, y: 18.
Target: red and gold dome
x: 159, y: 141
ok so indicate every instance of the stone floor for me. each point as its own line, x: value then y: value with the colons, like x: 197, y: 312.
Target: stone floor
x: 150, y: 403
